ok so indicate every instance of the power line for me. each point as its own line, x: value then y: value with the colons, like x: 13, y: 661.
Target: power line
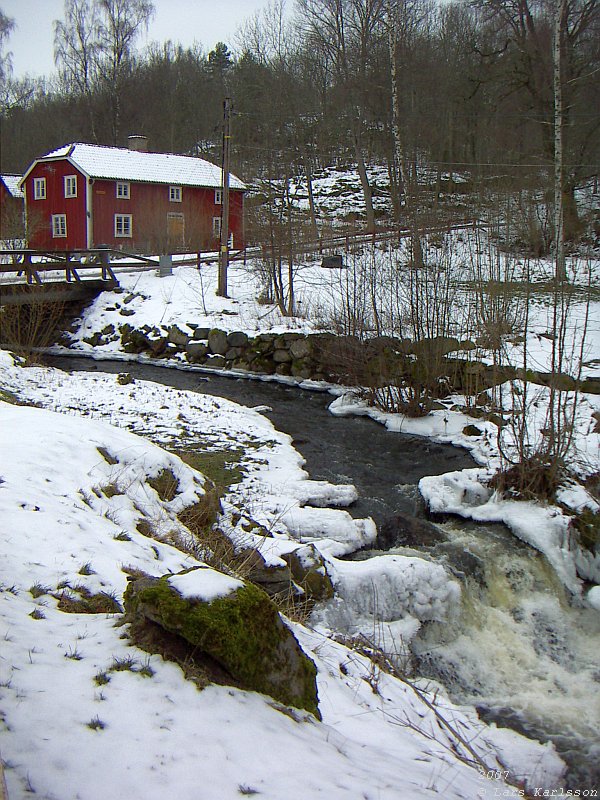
x: 241, y: 147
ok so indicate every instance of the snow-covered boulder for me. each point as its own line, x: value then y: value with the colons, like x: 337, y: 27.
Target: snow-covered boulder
x: 335, y: 532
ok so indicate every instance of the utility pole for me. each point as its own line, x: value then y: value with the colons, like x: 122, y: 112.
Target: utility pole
x: 224, y: 248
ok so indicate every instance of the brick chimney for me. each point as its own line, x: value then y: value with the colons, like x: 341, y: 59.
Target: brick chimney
x: 138, y: 142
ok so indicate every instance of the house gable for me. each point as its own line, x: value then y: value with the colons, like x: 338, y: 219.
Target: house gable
x: 56, y: 189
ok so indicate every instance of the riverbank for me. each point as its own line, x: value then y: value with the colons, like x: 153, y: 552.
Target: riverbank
x: 178, y: 320
x: 521, y: 649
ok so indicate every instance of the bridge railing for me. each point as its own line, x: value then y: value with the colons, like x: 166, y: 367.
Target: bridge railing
x: 30, y: 264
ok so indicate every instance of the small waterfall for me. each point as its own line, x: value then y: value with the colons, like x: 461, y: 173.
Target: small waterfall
x: 520, y: 652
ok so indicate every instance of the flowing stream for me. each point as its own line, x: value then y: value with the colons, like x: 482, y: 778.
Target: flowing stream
x: 520, y: 651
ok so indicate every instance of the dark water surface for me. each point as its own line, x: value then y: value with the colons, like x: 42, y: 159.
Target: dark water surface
x: 340, y: 450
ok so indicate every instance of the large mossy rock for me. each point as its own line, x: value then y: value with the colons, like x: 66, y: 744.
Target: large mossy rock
x: 242, y: 631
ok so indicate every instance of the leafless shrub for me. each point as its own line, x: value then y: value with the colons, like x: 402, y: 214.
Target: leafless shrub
x: 27, y: 329
x: 537, y: 446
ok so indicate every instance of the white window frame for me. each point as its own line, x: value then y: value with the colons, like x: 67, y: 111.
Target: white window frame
x: 70, y: 184
x: 39, y: 188
x: 218, y: 197
x: 216, y: 227
x: 175, y: 194
x: 122, y: 190
x: 123, y: 230
x: 59, y: 226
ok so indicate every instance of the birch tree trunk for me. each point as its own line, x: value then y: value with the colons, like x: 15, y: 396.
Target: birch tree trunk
x: 560, y: 14
x: 402, y: 167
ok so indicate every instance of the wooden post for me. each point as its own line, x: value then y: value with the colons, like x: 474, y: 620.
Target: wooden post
x: 71, y: 272
x: 32, y: 276
x: 107, y: 273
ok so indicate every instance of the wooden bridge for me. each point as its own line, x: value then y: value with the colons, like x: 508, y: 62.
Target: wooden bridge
x: 28, y: 265
x: 86, y: 273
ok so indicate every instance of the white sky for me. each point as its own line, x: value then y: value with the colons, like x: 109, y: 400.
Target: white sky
x: 186, y: 21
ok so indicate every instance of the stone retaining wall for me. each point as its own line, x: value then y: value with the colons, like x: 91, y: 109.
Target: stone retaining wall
x: 326, y: 356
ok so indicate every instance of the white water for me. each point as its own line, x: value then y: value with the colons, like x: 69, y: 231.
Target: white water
x: 520, y: 651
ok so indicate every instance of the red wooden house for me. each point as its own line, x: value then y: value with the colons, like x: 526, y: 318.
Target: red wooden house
x: 87, y: 195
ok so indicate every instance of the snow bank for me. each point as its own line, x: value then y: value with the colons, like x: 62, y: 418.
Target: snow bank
x: 335, y: 532
x: 593, y: 597
x: 443, y: 426
x: 386, y: 598
x: 85, y: 714
x: 544, y: 527
x: 188, y: 295
x: 323, y: 494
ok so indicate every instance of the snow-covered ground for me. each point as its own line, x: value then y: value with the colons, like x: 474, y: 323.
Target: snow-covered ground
x: 86, y: 715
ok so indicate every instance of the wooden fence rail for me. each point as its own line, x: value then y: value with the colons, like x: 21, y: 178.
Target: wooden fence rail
x: 21, y: 261
x: 30, y: 264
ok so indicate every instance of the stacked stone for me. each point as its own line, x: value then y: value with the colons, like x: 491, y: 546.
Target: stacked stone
x: 327, y: 356
x: 293, y: 354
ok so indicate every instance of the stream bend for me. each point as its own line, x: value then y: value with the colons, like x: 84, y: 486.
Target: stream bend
x: 520, y: 652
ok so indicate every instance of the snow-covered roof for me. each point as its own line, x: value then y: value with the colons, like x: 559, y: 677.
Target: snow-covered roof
x: 12, y: 184
x: 120, y: 163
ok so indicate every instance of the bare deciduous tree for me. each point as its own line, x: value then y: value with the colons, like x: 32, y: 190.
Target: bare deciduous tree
x: 522, y: 55
x: 76, y: 52
x: 93, y: 48
x: 346, y: 33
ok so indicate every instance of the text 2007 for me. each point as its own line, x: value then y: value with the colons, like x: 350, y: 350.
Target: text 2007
x: 493, y: 774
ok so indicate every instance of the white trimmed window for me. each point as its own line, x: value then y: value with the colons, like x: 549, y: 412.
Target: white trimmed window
x: 218, y: 197
x: 175, y: 194
x: 217, y: 227
x: 123, y: 225
x: 123, y: 190
x: 70, y: 185
x: 59, y: 226
x: 39, y: 188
